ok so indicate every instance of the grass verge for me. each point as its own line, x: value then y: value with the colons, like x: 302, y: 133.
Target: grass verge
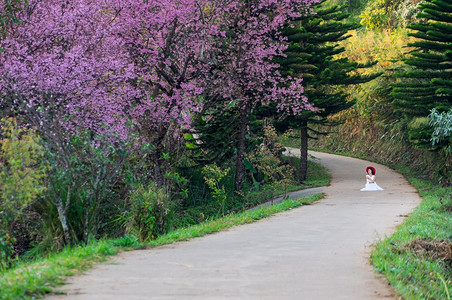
x: 409, y: 259
x: 32, y: 280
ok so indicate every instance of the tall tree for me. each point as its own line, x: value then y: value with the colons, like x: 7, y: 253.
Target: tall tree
x: 312, y: 55
x: 169, y: 44
x: 242, y: 69
x: 254, y: 40
x: 60, y: 69
x: 190, y: 53
x: 154, y: 64
x: 426, y: 83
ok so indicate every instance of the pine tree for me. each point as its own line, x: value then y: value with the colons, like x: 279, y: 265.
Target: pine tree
x: 216, y: 137
x: 314, y: 44
x: 427, y: 84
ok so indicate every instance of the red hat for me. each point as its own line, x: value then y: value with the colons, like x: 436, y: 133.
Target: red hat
x: 371, y: 168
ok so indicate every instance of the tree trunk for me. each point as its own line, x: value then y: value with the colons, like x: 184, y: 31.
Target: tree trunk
x: 63, y: 221
x: 304, y: 150
x: 239, y: 166
x: 157, y: 161
x: 86, y: 225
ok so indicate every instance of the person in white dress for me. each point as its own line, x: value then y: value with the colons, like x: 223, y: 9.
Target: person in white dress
x: 371, y: 183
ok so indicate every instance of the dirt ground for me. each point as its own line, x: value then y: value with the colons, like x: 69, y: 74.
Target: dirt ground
x: 433, y: 249
x: 318, y: 251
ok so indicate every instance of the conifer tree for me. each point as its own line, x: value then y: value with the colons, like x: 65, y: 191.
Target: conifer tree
x: 426, y: 83
x: 216, y: 137
x: 314, y: 44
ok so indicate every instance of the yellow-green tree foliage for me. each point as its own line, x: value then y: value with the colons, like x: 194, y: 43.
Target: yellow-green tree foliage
x: 213, y: 175
x: 383, y: 14
x: 387, y: 47
x: 370, y: 127
x: 22, y: 171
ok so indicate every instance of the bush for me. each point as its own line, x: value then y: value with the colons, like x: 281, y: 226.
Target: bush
x: 212, y: 176
x: 149, y: 212
x: 267, y: 161
x: 21, y: 181
x: 87, y: 186
x: 380, y: 14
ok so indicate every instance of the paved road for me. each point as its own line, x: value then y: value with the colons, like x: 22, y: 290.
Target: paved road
x: 313, y: 252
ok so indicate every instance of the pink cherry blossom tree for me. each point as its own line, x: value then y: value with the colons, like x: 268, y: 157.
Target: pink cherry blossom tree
x: 188, y: 54
x: 243, y: 72
x: 167, y: 42
x: 63, y: 70
x: 72, y: 66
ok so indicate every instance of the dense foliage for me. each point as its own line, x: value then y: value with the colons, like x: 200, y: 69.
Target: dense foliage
x: 313, y: 54
x: 427, y: 82
x: 21, y: 182
x: 112, y: 87
x: 383, y: 14
x: 8, y: 14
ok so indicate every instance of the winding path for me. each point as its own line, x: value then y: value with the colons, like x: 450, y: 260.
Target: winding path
x: 318, y: 251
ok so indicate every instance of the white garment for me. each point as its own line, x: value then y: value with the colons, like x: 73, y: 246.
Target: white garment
x: 371, y: 186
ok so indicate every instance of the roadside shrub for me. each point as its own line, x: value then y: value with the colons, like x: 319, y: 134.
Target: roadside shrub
x: 21, y: 181
x: 442, y: 139
x: 6, y: 249
x: 442, y: 124
x: 268, y: 164
x: 85, y: 185
x: 126, y: 241
x: 213, y: 176
x: 149, y: 212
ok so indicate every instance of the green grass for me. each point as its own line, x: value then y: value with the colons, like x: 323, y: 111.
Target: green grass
x: 31, y: 280
x: 317, y: 175
x: 417, y: 276
x: 291, y: 141
x: 35, y: 279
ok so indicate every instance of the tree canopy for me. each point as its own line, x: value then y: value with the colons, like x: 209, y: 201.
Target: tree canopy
x: 312, y: 55
x: 426, y: 82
